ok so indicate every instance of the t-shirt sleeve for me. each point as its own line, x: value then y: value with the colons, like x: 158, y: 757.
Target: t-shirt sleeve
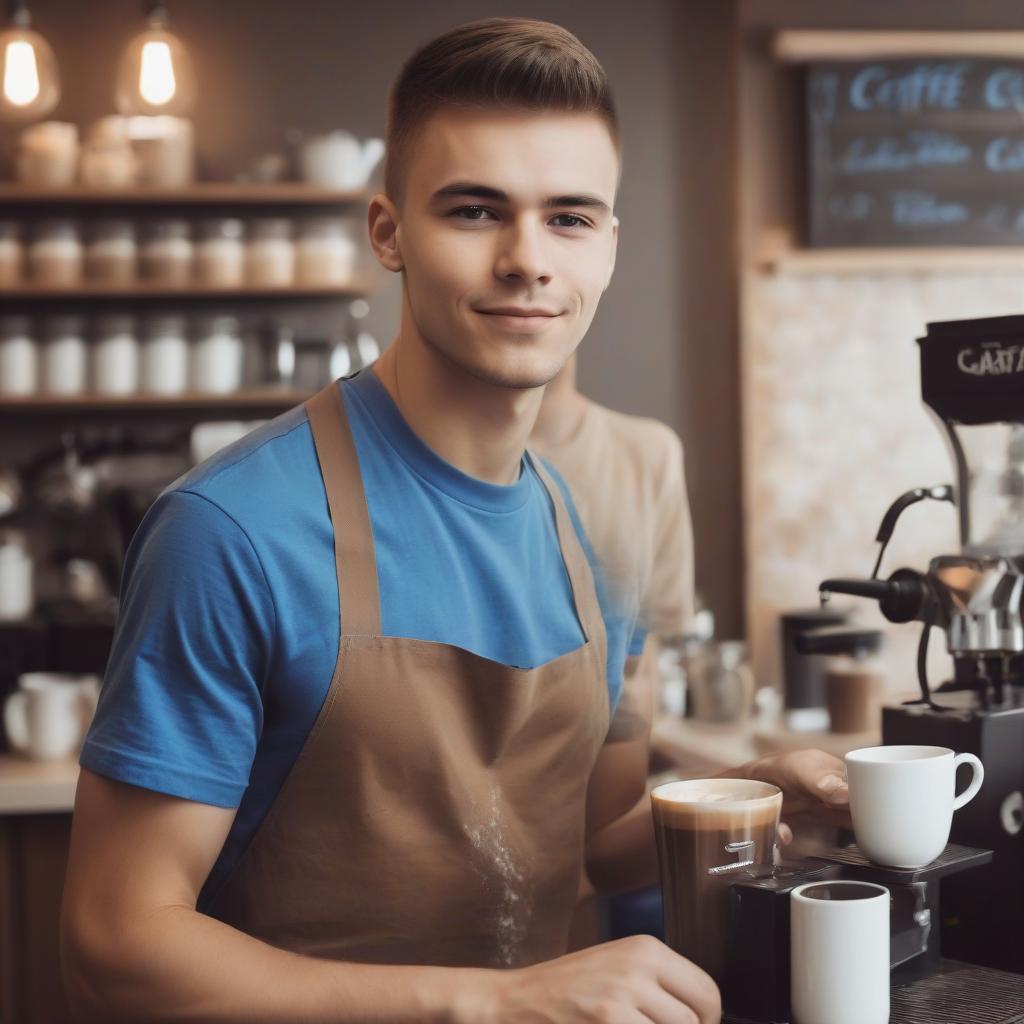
x: 181, y: 708
x: 668, y: 603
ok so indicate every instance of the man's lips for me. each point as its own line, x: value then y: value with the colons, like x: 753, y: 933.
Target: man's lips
x: 521, y: 321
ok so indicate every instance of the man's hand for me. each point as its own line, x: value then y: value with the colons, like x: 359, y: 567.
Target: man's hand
x: 633, y: 979
x: 813, y: 786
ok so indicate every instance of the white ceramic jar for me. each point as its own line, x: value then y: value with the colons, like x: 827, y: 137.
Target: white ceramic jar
x: 12, y: 254
x: 19, y: 358
x: 55, y: 255
x: 111, y: 254
x: 270, y: 253
x: 166, y: 254
x: 217, y: 356
x: 220, y: 253
x: 326, y: 253
x: 115, y: 356
x: 65, y: 356
x: 164, y: 367
x: 16, y: 576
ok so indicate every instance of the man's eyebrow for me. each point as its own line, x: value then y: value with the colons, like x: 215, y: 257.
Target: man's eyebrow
x: 475, y: 191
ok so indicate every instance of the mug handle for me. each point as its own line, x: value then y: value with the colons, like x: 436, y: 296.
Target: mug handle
x: 978, y: 778
x: 16, y: 720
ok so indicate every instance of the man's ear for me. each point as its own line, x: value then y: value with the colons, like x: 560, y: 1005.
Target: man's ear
x: 382, y: 224
x: 615, y: 247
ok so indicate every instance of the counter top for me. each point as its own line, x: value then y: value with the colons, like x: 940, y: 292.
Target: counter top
x: 37, y: 787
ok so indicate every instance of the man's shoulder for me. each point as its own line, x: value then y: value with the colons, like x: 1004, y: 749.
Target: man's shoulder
x: 643, y: 434
x: 267, y: 463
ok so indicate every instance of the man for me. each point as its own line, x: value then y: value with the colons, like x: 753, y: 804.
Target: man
x: 362, y: 673
x: 625, y: 474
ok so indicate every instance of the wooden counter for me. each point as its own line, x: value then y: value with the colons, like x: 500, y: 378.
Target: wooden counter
x: 37, y: 787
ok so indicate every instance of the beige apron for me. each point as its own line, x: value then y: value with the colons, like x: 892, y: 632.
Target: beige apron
x: 436, y: 812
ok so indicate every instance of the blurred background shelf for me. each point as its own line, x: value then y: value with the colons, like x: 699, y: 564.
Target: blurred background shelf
x: 199, y: 194
x: 98, y: 292
x: 249, y: 404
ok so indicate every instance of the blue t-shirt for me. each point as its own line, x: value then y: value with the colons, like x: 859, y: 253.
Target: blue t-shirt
x: 228, y: 629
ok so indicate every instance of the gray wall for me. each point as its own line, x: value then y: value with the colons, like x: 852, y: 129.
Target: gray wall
x: 267, y: 66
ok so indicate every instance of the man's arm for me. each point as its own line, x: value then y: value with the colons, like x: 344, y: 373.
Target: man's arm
x: 135, y: 948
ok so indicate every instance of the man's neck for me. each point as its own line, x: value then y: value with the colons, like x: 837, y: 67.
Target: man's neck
x: 479, y: 428
x: 561, y: 412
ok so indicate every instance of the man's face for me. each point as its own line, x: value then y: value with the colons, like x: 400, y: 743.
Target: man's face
x: 506, y: 214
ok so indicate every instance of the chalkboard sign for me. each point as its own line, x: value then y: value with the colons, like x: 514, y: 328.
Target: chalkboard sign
x: 922, y: 152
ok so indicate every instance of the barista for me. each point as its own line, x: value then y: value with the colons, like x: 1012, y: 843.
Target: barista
x: 362, y: 674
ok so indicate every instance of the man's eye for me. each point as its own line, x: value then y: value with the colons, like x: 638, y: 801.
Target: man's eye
x: 471, y: 213
x: 577, y: 222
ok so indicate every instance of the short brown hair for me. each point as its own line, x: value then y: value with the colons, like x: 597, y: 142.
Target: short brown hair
x: 510, y: 63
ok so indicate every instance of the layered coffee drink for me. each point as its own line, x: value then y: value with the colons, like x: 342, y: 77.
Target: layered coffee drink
x: 707, y: 830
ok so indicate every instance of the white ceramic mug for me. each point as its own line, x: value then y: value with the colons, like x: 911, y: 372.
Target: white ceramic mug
x: 46, y: 716
x: 902, y: 799
x: 839, y: 953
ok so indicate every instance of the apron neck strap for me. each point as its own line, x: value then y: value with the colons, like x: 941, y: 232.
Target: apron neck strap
x: 355, y: 562
x: 577, y: 565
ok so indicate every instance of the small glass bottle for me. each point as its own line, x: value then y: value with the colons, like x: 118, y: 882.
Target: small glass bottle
x: 55, y: 255
x: 270, y: 253
x: 115, y: 356
x: 164, y: 356
x: 65, y: 356
x: 12, y: 254
x: 217, y: 356
x: 166, y: 255
x: 110, y: 257
x: 326, y: 253
x: 19, y: 358
x: 220, y: 254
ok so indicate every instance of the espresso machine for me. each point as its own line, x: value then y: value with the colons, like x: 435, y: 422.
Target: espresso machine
x: 972, y: 379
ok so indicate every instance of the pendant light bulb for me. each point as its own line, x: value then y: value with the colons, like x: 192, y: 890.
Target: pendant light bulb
x: 155, y: 76
x: 29, y: 82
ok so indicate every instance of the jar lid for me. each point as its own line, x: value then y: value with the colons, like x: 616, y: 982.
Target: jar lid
x: 270, y: 227
x: 64, y: 325
x: 60, y: 228
x: 217, y: 324
x: 840, y: 640
x: 14, y: 325
x: 167, y: 228
x: 223, y: 227
x: 164, y: 324
x: 111, y: 229
x: 114, y: 323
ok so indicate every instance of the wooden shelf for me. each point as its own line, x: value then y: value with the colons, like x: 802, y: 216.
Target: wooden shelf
x: 190, y: 401
x: 895, y: 260
x: 802, y: 45
x: 143, y: 290
x: 200, y: 194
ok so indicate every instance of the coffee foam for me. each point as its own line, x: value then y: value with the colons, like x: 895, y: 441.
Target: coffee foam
x: 722, y: 803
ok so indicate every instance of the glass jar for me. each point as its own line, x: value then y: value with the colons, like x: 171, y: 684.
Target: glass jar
x: 65, y: 356
x: 217, y: 362
x: 220, y: 254
x: 166, y: 254
x: 164, y: 355
x: 12, y: 254
x: 270, y: 253
x: 115, y: 356
x: 326, y: 253
x: 19, y: 372
x: 854, y: 676
x: 110, y: 256
x: 55, y: 256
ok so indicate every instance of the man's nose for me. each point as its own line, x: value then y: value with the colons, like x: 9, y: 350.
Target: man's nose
x: 523, y: 253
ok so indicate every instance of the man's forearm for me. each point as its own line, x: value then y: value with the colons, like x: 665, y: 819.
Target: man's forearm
x: 181, y: 965
x: 623, y: 856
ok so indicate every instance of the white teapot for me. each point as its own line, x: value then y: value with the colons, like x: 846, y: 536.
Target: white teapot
x: 339, y: 160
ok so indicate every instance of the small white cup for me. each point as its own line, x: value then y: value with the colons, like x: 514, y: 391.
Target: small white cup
x: 46, y: 716
x: 839, y: 953
x: 902, y: 800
